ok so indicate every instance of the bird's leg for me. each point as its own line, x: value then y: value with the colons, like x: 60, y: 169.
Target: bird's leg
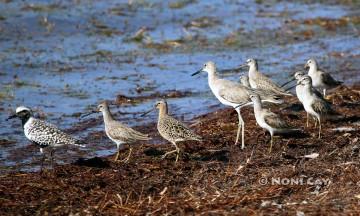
x: 42, y: 161
x: 307, y: 119
x: 271, y: 143
x: 52, y: 158
x: 324, y: 91
x: 316, y: 121
x: 319, y: 127
x: 118, y: 152
x: 242, y: 127
x: 170, y: 152
x: 128, y: 157
x: 177, y: 154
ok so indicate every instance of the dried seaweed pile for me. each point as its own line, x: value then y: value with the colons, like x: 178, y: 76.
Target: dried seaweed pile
x: 213, y: 177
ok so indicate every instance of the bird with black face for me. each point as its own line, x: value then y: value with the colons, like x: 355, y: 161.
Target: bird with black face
x: 43, y: 133
x: 118, y: 132
x: 171, y: 129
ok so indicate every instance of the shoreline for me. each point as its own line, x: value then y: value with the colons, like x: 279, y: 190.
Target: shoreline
x: 213, y: 177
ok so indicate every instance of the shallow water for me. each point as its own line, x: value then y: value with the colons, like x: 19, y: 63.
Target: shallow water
x: 62, y: 59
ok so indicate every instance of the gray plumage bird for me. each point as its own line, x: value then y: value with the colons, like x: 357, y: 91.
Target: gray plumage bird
x: 171, y: 129
x: 314, y: 105
x: 260, y: 81
x: 269, y: 120
x: 320, y: 79
x: 235, y: 95
x: 118, y: 132
x: 43, y: 133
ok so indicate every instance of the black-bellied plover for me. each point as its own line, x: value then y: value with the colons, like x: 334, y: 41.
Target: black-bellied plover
x: 43, y: 133
x: 269, y: 120
x: 233, y: 94
x: 314, y: 105
x: 320, y: 79
x: 171, y: 129
x: 118, y: 132
x: 260, y: 81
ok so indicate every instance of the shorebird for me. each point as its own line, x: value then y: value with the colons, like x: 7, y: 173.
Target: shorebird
x: 233, y: 94
x: 313, y: 104
x: 260, y: 81
x: 43, y: 133
x: 171, y: 129
x: 299, y: 89
x: 320, y: 79
x: 118, y: 132
x: 244, y: 80
x: 269, y: 120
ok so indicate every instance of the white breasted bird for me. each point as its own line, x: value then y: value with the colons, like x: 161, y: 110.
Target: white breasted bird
x: 269, y: 120
x: 260, y: 81
x: 313, y: 104
x: 235, y: 95
x: 43, y: 133
x: 320, y: 79
x: 171, y: 129
x: 118, y: 132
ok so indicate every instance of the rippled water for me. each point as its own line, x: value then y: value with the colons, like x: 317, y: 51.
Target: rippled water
x: 61, y: 59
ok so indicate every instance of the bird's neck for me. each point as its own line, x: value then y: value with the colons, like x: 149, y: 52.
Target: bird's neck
x: 308, y: 89
x: 257, y: 106
x: 253, y: 70
x: 312, y: 69
x: 25, y: 119
x: 212, y: 77
x: 107, y: 115
x: 163, y: 110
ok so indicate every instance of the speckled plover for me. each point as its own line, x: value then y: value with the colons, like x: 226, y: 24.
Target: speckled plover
x: 43, y: 133
x: 171, y: 129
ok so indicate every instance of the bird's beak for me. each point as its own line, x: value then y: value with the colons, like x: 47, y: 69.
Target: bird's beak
x: 287, y: 82
x: 244, y: 104
x: 292, y: 87
x: 242, y: 66
x: 306, y: 66
x: 89, y: 113
x: 197, y: 72
x: 147, y: 112
x: 11, y: 117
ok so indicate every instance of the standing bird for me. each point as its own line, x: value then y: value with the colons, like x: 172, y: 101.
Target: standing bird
x: 117, y: 132
x: 269, y: 120
x: 43, y: 133
x: 300, y: 91
x: 260, y: 81
x: 234, y: 94
x: 313, y: 104
x: 320, y: 79
x: 171, y: 129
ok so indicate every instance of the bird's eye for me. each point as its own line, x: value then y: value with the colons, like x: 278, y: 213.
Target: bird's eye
x: 205, y: 65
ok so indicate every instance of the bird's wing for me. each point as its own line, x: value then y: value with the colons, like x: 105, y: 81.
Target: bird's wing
x: 44, y: 133
x: 263, y: 82
x: 328, y: 79
x: 121, y: 132
x: 275, y: 121
x: 235, y: 94
x: 178, y: 129
x: 321, y: 106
